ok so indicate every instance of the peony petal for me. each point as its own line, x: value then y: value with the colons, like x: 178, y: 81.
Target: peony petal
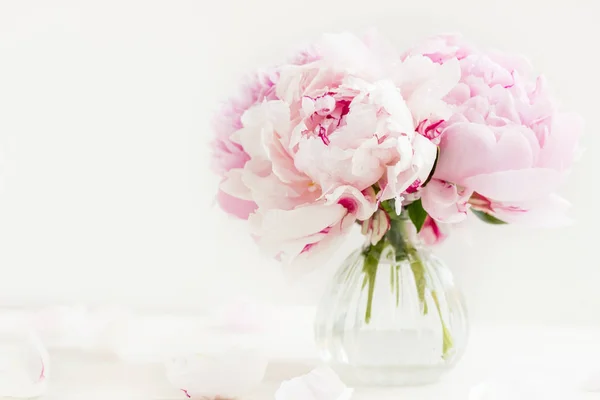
x: 469, y: 149
x: 24, y: 364
x: 227, y: 155
x: 366, y: 164
x: 422, y: 158
x: 353, y: 200
x: 426, y: 100
x: 321, y: 251
x: 282, y: 164
x: 515, y: 185
x: 548, y: 212
x: 282, y: 225
x: 234, y: 186
x: 560, y: 148
x: 361, y: 123
x: 263, y: 123
x: 459, y: 94
x: 404, y: 147
x: 425, y: 154
x: 389, y: 97
x: 432, y: 233
x: 513, y: 150
x: 464, y: 149
x: 442, y: 202
x: 226, y: 374
x: 440, y: 192
x: 412, y: 73
x: 269, y: 191
x: 320, y: 384
x: 235, y: 206
x: 291, y: 77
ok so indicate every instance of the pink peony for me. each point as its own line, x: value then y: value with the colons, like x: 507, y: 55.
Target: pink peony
x: 227, y: 154
x: 506, y: 141
x: 301, y: 155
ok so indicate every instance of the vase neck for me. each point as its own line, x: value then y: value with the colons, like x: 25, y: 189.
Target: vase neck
x: 403, y: 234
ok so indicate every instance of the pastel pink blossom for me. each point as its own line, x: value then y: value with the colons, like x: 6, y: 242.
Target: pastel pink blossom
x: 506, y: 140
x: 303, y: 151
x: 227, y: 154
x: 349, y: 129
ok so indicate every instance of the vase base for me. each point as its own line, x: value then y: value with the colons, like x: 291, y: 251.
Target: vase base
x: 388, y: 376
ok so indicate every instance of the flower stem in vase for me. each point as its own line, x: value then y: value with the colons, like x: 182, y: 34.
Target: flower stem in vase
x: 372, y: 256
x: 419, y: 272
x: 448, y: 342
x: 401, y: 244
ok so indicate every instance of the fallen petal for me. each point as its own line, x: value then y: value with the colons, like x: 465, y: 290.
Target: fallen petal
x: 24, y: 365
x: 223, y: 375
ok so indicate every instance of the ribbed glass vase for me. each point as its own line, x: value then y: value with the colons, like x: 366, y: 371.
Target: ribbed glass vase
x: 392, y: 315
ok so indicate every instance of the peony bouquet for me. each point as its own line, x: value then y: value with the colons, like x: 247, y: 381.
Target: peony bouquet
x: 352, y: 130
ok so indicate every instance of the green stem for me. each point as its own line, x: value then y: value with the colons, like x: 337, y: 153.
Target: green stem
x: 372, y: 256
x: 447, y: 341
x: 419, y: 273
x: 418, y: 270
x: 399, y: 237
x: 397, y: 285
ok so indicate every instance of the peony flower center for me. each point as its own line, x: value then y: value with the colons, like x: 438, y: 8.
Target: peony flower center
x: 324, y: 105
x: 323, y: 115
x: 431, y: 130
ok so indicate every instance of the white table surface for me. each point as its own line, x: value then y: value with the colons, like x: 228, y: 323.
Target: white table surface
x: 554, y: 362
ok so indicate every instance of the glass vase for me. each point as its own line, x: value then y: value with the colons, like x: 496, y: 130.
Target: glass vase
x: 392, y: 315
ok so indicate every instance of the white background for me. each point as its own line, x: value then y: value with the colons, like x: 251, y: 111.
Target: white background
x: 105, y: 191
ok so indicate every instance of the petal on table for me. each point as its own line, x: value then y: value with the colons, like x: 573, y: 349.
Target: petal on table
x: 24, y: 365
x: 228, y: 374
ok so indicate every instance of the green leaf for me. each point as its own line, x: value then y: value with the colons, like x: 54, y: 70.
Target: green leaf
x: 485, y: 217
x: 417, y: 214
x: 437, y: 157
